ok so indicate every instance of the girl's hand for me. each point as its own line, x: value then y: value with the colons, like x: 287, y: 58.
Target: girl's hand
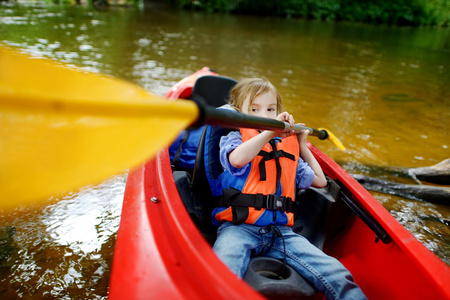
x: 303, y: 136
x: 285, y: 117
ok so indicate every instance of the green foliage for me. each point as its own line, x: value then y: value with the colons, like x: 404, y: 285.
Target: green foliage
x: 395, y: 12
x: 96, y: 3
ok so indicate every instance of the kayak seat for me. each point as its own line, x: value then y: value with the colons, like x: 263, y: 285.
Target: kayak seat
x: 207, y: 169
x: 191, y: 202
x: 213, y: 90
x: 192, y: 184
x: 313, y: 212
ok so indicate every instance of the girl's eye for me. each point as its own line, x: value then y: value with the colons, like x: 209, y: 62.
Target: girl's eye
x: 254, y: 109
x: 271, y: 109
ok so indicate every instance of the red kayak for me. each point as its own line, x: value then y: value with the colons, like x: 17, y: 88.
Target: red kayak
x: 163, y: 248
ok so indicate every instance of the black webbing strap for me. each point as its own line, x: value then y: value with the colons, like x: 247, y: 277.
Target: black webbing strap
x: 268, y: 156
x: 176, y: 157
x: 233, y: 197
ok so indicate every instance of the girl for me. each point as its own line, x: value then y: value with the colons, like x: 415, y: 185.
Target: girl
x: 257, y: 190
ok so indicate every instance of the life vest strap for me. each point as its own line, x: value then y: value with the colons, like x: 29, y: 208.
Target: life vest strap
x: 235, y: 198
x: 268, y: 156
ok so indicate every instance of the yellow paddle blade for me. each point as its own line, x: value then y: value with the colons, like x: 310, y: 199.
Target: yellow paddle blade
x: 334, y: 139
x: 62, y: 128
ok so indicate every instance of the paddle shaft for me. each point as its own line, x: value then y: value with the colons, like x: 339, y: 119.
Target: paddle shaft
x: 230, y: 119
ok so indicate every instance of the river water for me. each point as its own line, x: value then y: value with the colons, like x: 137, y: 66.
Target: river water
x: 385, y: 92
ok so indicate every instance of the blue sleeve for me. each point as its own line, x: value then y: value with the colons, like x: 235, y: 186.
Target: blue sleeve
x: 305, y: 175
x: 227, y: 144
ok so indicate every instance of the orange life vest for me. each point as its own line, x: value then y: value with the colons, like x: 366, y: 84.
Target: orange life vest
x: 269, y: 183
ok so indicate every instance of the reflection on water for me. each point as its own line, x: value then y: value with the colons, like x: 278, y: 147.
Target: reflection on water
x: 423, y: 219
x: 384, y: 92
x: 86, y: 219
x: 61, y: 249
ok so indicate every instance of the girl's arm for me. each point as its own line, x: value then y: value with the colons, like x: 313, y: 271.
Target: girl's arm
x: 247, y: 151
x: 319, y: 178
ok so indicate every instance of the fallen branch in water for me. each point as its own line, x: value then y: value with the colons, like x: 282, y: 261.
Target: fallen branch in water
x: 435, y: 194
x: 439, y: 173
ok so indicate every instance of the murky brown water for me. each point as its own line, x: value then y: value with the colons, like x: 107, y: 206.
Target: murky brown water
x: 385, y: 92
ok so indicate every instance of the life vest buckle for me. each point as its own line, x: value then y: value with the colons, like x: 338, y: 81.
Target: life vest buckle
x: 275, y: 202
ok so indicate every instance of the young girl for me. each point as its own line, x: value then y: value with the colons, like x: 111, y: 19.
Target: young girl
x: 255, y: 208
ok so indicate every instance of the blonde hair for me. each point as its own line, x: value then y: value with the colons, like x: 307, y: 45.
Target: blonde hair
x: 252, y: 88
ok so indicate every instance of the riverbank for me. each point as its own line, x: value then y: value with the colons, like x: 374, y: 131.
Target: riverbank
x: 396, y: 12
x: 421, y: 13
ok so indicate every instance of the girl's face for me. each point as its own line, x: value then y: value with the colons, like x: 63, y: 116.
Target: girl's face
x: 265, y: 106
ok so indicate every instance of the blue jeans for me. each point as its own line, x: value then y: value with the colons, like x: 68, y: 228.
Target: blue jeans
x: 235, y: 244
